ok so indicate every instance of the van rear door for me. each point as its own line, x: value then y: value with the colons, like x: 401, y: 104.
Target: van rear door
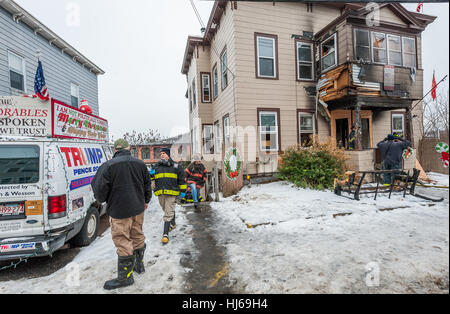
x: 21, y: 182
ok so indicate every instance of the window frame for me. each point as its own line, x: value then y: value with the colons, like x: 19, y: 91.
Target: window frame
x: 194, y: 93
x: 389, y: 50
x: 313, y: 53
x: 215, y: 85
x: 24, y: 71
x: 208, y: 75
x: 142, y: 153
x: 204, y: 142
x: 190, y: 98
x: 334, y: 36
x: 217, y: 137
x: 396, y: 114
x: 226, y: 129
x: 275, y: 111
x: 274, y: 38
x: 299, y: 129
x: 403, y: 51
x: 355, y: 45
x: 372, y: 47
x: 78, y: 92
x: 224, y: 69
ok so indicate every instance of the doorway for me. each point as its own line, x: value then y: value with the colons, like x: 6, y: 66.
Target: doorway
x: 365, y: 133
x: 342, y: 133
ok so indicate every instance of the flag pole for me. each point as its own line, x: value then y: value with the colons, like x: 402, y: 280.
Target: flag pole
x: 445, y: 77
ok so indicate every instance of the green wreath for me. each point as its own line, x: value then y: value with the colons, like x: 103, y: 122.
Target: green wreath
x: 232, y: 164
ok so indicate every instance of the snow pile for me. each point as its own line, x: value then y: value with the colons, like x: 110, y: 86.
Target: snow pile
x: 304, y: 241
x: 98, y: 263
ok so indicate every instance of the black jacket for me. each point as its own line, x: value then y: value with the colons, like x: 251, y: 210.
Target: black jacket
x: 196, y: 174
x: 392, y: 152
x: 124, y: 184
x: 169, y: 178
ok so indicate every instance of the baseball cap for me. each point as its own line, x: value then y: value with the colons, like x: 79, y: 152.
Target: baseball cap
x: 121, y: 144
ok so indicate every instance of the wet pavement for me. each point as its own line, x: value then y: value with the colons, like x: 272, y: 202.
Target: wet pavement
x: 210, y: 267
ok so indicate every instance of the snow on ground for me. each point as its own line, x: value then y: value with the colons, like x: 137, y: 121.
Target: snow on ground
x: 98, y: 263
x: 305, y: 241
x: 301, y: 241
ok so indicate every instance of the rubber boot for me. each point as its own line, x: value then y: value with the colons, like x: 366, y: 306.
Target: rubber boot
x: 173, y: 224
x: 124, y: 278
x: 165, y: 238
x: 139, y: 264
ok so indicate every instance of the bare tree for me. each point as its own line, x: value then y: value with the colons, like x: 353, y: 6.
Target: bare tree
x: 143, y: 138
x: 436, y: 116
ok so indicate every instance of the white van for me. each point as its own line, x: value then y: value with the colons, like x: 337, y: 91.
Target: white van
x: 46, y: 199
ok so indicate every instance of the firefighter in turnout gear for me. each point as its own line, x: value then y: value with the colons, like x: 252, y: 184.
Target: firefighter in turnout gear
x: 196, y: 178
x: 169, y: 184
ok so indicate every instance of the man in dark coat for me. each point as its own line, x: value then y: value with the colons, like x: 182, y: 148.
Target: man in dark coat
x: 391, y: 149
x: 196, y: 178
x: 169, y: 184
x: 125, y: 185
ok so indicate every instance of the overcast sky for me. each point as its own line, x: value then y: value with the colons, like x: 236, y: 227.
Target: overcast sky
x: 140, y: 45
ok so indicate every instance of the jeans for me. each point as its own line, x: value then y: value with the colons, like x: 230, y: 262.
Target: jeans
x: 389, y: 177
x: 194, y: 192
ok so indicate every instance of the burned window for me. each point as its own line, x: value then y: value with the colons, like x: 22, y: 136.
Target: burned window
x: 362, y: 45
x: 305, y: 55
x: 379, y: 48
x: 328, y: 53
x: 394, y: 50
x: 306, y: 128
x: 409, y: 52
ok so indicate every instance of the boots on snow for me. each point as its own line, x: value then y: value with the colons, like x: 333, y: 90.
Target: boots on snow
x: 124, y: 278
x: 139, y: 264
x: 165, y: 238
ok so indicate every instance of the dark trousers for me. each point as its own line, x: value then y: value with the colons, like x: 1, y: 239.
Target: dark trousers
x: 389, y: 177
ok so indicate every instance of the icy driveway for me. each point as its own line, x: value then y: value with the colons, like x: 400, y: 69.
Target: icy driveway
x: 305, y: 241
x: 97, y: 263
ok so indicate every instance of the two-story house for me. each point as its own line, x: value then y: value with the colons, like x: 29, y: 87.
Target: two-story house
x: 268, y: 75
x: 70, y: 76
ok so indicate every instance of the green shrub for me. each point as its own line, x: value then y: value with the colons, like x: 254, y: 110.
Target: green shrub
x: 313, y: 167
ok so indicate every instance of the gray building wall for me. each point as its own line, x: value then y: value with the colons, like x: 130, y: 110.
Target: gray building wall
x: 59, y: 69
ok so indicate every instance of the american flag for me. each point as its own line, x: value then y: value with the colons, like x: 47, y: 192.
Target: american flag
x: 39, y: 83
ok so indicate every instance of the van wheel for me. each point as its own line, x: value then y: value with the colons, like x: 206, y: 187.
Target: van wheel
x: 89, y: 232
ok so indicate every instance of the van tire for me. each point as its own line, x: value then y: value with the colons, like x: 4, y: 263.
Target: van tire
x: 89, y: 231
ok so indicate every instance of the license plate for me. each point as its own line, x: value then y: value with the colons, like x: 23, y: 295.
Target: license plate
x: 12, y: 209
x: 5, y: 248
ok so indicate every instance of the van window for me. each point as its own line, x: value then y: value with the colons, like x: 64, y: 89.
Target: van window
x: 19, y: 164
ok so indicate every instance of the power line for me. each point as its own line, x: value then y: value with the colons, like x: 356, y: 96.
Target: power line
x: 197, y: 14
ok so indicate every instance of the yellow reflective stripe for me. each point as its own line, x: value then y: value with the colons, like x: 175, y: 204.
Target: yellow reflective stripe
x: 183, y: 187
x: 166, y: 175
x: 166, y: 192
x: 170, y: 192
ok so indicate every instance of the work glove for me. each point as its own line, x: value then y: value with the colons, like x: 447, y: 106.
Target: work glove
x: 182, y: 195
x: 152, y: 172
